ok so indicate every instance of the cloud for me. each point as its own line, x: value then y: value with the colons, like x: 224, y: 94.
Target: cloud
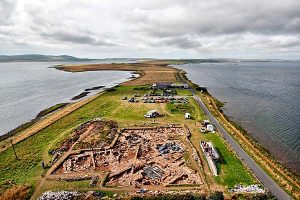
x: 6, y: 9
x: 181, y: 42
x: 77, y: 38
x: 153, y: 28
x: 223, y: 17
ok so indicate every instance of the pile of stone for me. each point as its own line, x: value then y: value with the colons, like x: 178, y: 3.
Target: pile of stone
x: 153, y: 172
x: 167, y: 147
x: 162, y: 192
x: 255, y: 188
x: 62, y: 195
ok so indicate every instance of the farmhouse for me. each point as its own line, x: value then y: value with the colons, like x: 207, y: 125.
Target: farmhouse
x: 161, y: 85
x: 180, y: 85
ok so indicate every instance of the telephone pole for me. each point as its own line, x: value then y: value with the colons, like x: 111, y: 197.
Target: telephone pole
x: 13, y: 147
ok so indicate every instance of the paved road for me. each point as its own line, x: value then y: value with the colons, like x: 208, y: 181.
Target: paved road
x: 269, y: 183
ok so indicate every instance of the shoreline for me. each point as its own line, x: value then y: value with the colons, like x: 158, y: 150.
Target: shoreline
x: 293, y: 178
x: 39, y: 116
x: 50, y: 110
x: 181, y: 75
x: 93, y: 67
x: 14, y: 136
x: 185, y: 78
x: 219, y: 105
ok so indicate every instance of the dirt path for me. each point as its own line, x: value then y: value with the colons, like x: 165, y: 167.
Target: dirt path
x: 47, y: 121
x: 37, y: 190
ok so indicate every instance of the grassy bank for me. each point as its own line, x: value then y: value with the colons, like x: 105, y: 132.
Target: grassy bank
x: 47, y: 111
x: 26, y: 125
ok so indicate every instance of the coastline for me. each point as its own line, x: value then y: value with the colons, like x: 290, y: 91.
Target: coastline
x: 287, y: 179
x: 265, y: 106
x: 50, y: 110
x: 38, y: 117
x: 279, y: 172
x: 44, y: 117
x: 179, y: 75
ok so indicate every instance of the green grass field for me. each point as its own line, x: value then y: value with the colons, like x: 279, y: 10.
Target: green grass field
x: 230, y: 169
x: 183, y: 92
x: 32, y: 151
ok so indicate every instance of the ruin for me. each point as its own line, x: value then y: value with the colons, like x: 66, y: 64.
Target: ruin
x: 138, y: 156
x: 211, y: 155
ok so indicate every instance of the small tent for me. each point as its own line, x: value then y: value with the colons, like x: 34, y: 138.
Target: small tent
x: 187, y: 115
x: 210, y: 128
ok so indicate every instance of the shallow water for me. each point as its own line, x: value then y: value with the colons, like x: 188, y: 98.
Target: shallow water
x: 26, y: 88
x: 264, y: 97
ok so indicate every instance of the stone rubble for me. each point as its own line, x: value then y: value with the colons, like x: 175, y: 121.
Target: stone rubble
x: 162, y: 192
x: 138, y: 156
x: 255, y: 188
x: 61, y: 195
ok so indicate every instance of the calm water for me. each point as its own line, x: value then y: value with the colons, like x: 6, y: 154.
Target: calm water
x: 264, y: 97
x: 27, y: 88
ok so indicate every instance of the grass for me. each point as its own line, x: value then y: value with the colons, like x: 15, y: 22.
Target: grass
x: 27, y: 169
x: 231, y: 169
x: 183, y: 92
x: 32, y: 151
x: 74, y: 185
x: 51, y: 109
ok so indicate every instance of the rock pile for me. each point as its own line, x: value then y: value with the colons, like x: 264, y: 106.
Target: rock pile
x: 162, y: 192
x: 255, y: 188
x: 167, y: 147
x: 62, y: 195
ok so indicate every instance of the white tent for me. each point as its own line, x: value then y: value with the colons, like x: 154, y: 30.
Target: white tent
x: 210, y: 128
x: 187, y: 115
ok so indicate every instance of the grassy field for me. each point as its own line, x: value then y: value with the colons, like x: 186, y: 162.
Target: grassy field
x: 183, y: 92
x: 32, y: 151
x: 151, y: 72
x: 27, y: 168
x: 231, y: 169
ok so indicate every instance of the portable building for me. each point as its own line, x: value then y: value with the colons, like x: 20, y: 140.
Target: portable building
x: 187, y: 115
x: 210, y: 128
x: 152, y: 114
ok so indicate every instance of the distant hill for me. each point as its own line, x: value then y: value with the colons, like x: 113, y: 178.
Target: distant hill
x: 51, y: 58
x: 39, y: 58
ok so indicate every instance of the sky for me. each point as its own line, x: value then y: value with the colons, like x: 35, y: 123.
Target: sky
x: 151, y: 28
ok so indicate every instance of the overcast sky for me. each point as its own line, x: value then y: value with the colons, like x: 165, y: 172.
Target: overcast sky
x: 152, y: 28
